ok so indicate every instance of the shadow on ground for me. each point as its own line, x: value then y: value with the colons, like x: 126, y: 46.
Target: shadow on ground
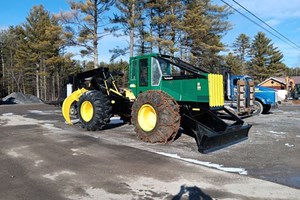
x: 193, y: 193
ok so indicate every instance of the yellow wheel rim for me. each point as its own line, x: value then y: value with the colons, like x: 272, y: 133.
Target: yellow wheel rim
x: 147, y: 117
x: 86, y: 111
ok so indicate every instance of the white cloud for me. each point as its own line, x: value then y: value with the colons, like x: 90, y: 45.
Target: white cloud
x: 273, y: 22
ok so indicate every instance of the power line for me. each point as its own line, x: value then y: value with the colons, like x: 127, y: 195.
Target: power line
x: 251, y: 19
x: 266, y: 24
x: 296, y: 46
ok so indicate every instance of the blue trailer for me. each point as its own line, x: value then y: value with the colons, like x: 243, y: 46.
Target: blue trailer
x: 246, y: 98
x: 239, y: 94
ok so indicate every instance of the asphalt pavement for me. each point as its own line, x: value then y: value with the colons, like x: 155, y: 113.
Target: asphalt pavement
x: 44, y: 158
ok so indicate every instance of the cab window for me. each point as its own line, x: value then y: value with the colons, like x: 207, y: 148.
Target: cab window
x: 156, y: 73
x: 133, y: 70
x: 143, y: 72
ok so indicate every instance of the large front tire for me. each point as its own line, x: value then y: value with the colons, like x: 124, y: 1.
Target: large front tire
x: 94, y: 110
x: 266, y: 109
x: 156, y: 117
x: 258, y: 108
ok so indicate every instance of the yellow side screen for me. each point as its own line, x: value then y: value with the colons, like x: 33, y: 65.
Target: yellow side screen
x: 215, y: 90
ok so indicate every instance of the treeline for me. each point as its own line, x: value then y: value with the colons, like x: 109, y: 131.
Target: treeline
x: 35, y: 57
x: 34, y: 61
x: 258, y: 58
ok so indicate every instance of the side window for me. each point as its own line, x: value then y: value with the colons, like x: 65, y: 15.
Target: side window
x: 133, y: 70
x: 168, y: 69
x: 155, y: 72
x: 235, y: 81
x: 176, y: 71
x: 165, y: 68
x: 144, y: 72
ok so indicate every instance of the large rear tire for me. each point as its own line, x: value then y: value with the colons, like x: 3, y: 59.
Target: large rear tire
x: 94, y: 110
x: 156, y: 118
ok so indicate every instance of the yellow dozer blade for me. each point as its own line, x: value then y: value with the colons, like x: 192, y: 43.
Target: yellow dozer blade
x: 66, y: 106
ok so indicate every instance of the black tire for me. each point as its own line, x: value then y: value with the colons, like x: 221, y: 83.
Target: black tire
x: 167, y: 116
x: 266, y: 109
x: 94, y: 110
x: 73, y: 109
x: 258, y: 108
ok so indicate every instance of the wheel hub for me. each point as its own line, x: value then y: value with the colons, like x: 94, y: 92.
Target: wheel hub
x: 87, y: 111
x: 147, y: 117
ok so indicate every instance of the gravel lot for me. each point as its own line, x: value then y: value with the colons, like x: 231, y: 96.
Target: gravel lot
x: 43, y: 158
x: 272, y: 151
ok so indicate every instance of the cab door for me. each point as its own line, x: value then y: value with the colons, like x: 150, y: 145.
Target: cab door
x: 139, y: 75
x: 143, y: 78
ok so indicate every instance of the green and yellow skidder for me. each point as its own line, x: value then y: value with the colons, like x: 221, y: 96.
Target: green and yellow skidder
x: 165, y: 93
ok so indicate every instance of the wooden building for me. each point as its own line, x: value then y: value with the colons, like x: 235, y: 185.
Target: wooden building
x: 276, y: 83
x: 279, y: 83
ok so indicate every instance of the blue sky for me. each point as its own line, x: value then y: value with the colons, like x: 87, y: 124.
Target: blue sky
x: 284, y: 16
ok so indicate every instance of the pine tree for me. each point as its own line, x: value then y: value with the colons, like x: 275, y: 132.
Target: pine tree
x: 259, y: 57
x: 88, y: 18
x: 129, y: 18
x: 276, y: 67
x: 8, y: 74
x: 204, y: 25
x: 165, y: 17
x: 293, y: 71
x: 234, y: 63
x: 38, y: 52
x: 241, y: 47
x: 265, y: 60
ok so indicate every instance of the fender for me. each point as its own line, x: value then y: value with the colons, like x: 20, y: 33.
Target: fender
x: 267, y: 96
x: 66, y: 106
x: 262, y: 100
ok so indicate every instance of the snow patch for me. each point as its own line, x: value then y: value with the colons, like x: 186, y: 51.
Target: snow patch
x: 17, y: 120
x: 74, y: 121
x: 7, y: 114
x: 298, y: 136
x: 45, y: 112
x: 14, y: 151
x: 13, y: 154
x: 54, y: 175
x: 99, y: 193
x: 278, y: 133
x: 35, y: 111
x: 37, y: 162
x: 116, y: 120
x: 289, y: 145
x: 241, y: 171
x: 50, y: 127
x: 76, y: 152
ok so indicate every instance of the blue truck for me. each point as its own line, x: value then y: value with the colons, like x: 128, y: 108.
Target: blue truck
x: 245, y: 98
x: 265, y: 99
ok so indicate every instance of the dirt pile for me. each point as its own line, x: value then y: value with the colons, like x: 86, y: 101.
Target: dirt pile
x: 20, y: 98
